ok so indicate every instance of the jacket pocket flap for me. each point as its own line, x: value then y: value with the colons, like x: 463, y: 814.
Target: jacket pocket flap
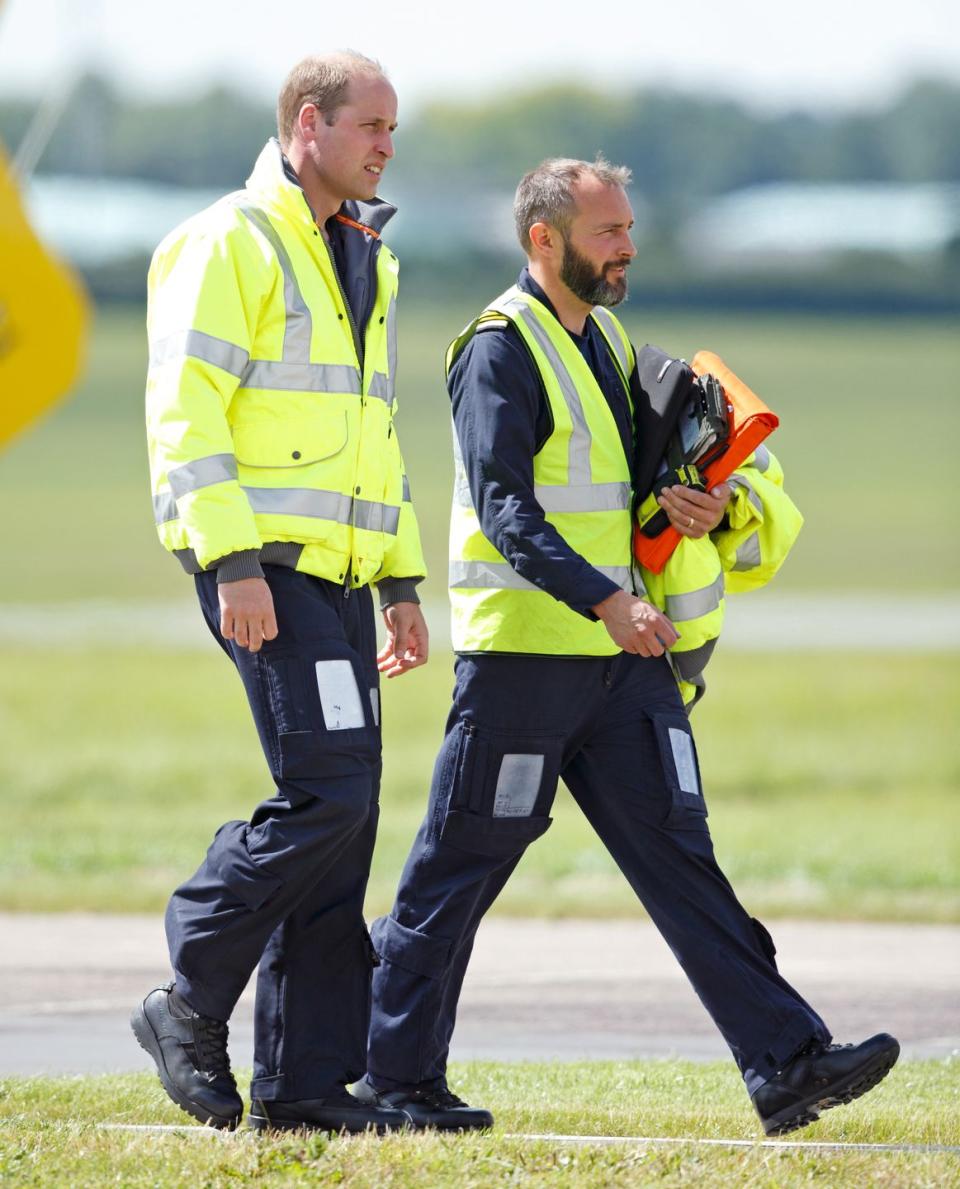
x: 294, y: 442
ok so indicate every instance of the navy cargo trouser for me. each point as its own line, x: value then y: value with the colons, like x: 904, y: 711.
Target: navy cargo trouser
x: 286, y: 888
x: 615, y: 730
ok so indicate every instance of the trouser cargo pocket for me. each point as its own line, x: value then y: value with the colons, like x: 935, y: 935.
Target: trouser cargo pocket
x: 681, y: 769
x: 499, y: 788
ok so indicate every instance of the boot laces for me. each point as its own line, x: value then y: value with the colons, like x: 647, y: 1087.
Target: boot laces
x: 211, y: 1047
x: 441, y: 1099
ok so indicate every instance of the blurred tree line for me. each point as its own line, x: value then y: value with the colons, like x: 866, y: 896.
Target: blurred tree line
x: 683, y: 149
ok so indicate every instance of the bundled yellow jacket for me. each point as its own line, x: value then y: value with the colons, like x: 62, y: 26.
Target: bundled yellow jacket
x: 759, y: 530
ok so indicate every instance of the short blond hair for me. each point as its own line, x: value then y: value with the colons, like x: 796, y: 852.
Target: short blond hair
x: 545, y: 194
x: 324, y: 80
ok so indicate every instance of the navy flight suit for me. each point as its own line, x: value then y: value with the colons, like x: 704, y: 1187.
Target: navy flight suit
x: 613, y: 728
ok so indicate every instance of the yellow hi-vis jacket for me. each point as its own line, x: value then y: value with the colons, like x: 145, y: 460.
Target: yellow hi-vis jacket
x: 264, y: 426
x: 582, y: 481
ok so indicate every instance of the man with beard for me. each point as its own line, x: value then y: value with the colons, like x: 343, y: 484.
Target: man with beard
x: 562, y: 671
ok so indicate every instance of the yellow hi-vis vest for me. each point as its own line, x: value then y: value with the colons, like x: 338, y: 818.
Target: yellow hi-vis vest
x: 582, y: 482
x: 263, y: 425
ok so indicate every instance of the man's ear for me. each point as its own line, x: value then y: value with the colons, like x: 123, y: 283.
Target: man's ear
x: 305, y: 125
x: 545, y: 239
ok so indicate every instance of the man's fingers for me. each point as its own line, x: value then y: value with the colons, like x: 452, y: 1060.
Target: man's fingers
x: 400, y: 642
x: 270, y: 629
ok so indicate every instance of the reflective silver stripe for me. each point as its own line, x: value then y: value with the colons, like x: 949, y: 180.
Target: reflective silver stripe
x: 689, y: 665
x: 165, y: 508
x: 380, y: 387
x: 299, y: 327
x: 324, y: 505
x: 761, y: 458
x: 286, y: 376
x: 461, y: 489
x: 694, y: 603
x: 376, y: 518
x: 596, y: 497
x: 406, y: 489
x: 194, y: 344
x: 202, y: 472
x: 301, y: 501
x: 578, y: 460
x: 755, y: 500
x: 605, y: 318
x: 499, y: 575
x: 748, y: 553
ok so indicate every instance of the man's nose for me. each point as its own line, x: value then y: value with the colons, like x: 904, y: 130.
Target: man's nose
x: 385, y: 145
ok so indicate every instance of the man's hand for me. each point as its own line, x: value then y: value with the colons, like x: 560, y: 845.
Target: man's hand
x: 695, y: 513
x: 246, y: 612
x: 408, y: 641
x: 636, y: 626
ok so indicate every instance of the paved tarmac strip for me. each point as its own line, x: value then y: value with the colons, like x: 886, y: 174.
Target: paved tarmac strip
x: 569, y: 990
x: 759, y: 622
x: 598, y: 1140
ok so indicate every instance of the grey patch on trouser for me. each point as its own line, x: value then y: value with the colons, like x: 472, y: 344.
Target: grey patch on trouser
x: 684, y: 761
x: 375, y: 705
x: 517, y: 785
x: 339, y: 696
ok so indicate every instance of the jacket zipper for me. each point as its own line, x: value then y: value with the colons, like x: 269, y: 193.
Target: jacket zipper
x: 358, y: 347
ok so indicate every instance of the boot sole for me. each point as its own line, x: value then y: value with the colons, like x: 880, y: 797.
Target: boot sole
x: 461, y: 1127
x: 261, y: 1123
x: 808, y: 1111
x: 148, y: 1041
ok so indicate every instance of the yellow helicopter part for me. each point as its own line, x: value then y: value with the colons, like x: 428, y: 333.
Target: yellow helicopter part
x: 43, y: 318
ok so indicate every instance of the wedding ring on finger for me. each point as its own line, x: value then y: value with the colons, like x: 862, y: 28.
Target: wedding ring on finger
x: 690, y: 524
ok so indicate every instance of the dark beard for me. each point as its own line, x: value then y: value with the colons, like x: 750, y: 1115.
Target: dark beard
x: 577, y: 274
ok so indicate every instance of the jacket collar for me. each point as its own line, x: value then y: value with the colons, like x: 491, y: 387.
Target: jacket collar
x: 274, y: 184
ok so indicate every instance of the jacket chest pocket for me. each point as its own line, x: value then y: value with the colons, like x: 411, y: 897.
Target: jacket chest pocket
x: 294, y: 442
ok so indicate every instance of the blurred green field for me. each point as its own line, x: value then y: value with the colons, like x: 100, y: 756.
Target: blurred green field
x: 831, y: 778
x: 116, y: 766
x: 861, y: 403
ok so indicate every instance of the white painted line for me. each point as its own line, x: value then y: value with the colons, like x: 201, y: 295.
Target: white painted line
x: 608, y: 1140
x: 736, y: 1143
x: 185, y: 1129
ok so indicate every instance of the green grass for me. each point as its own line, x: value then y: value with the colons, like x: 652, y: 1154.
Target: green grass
x: 863, y: 405
x: 50, y: 1135
x: 837, y: 800
x: 116, y: 765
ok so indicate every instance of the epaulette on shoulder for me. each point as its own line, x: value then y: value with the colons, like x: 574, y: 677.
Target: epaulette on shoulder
x: 492, y: 322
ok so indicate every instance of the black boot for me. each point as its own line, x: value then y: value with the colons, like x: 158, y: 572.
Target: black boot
x: 822, y: 1076
x: 338, y: 1111
x: 191, y: 1055
x: 433, y: 1105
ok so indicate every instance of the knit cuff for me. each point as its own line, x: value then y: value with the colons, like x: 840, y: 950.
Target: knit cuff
x: 236, y: 566
x: 398, y: 590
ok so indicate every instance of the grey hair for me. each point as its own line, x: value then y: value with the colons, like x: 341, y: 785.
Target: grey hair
x: 324, y: 80
x: 545, y: 194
